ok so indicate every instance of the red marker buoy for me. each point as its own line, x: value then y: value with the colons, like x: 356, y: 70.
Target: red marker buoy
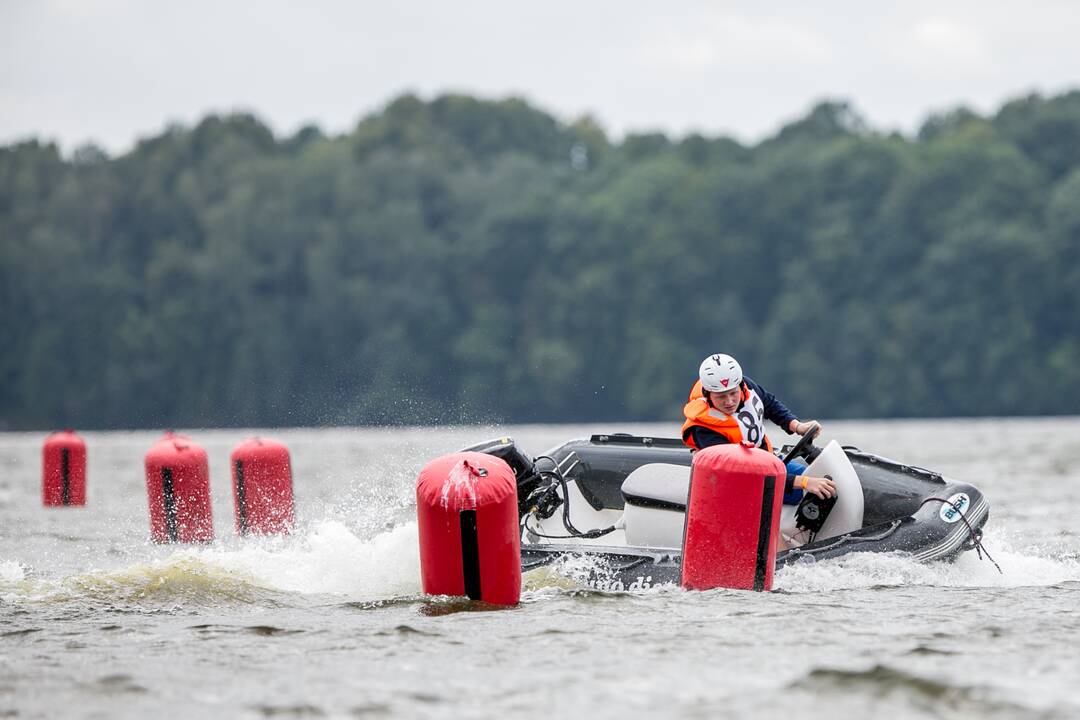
x: 467, y: 515
x: 178, y: 489
x: 262, y: 487
x: 63, y: 476
x: 732, y: 516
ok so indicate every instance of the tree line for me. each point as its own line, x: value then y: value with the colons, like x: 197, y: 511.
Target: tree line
x: 461, y: 260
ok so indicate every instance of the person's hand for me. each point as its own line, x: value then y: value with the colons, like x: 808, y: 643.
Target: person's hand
x: 801, y: 428
x: 820, y: 486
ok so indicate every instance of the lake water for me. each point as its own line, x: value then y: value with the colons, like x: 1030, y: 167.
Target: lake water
x: 96, y: 621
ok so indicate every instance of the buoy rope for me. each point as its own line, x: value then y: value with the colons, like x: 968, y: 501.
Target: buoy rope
x: 976, y: 536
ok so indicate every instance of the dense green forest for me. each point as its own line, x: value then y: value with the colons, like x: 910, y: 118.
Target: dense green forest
x: 462, y: 260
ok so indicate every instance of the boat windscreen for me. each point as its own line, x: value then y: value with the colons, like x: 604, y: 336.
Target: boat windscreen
x: 603, y: 466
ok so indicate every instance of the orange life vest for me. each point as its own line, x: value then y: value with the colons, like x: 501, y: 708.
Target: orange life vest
x: 747, y: 425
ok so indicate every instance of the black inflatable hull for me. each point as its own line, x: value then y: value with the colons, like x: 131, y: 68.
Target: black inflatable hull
x: 625, y: 568
x: 908, y: 510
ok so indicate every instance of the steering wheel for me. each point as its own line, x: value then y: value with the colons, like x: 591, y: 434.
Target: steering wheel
x: 805, y: 444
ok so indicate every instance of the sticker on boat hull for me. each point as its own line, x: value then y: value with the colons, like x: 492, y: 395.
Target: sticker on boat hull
x: 955, y: 507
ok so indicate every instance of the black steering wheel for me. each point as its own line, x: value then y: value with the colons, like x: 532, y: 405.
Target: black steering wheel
x: 805, y: 445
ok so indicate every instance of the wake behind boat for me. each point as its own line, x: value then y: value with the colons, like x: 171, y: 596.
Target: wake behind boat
x: 619, y: 501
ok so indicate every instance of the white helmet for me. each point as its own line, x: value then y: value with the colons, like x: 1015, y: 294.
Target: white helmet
x: 720, y: 373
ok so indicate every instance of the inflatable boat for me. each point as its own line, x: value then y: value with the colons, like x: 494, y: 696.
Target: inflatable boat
x: 618, y: 502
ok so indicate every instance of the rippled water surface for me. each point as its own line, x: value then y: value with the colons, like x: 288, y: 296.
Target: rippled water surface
x: 95, y: 621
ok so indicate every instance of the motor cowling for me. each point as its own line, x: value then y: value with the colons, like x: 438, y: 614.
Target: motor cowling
x: 524, y: 467
x: 732, y: 516
x: 63, y: 476
x: 466, y: 507
x: 178, y: 490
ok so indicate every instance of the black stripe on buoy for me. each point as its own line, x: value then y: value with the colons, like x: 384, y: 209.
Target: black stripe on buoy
x: 241, y: 499
x: 170, y: 504
x: 65, y: 477
x: 470, y: 554
x: 761, y: 562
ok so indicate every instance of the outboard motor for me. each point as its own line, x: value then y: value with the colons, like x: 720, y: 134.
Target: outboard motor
x: 528, y: 477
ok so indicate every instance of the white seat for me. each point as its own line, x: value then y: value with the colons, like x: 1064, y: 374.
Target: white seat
x: 658, y: 484
x: 655, y: 505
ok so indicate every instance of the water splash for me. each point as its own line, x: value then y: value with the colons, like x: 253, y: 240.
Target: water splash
x: 1020, y: 568
x: 329, y: 559
x: 11, y: 571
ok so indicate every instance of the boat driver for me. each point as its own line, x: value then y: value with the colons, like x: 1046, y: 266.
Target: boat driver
x: 726, y: 407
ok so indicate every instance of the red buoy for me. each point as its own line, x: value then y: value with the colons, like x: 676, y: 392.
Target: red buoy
x: 262, y: 487
x: 732, y: 516
x: 63, y: 476
x: 178, y: 488
x: 466, y: 510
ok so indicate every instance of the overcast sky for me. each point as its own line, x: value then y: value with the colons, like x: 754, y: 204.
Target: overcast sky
x: 112, y: 71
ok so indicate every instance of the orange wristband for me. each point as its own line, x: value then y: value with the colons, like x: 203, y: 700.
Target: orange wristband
x: 803, y: 481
